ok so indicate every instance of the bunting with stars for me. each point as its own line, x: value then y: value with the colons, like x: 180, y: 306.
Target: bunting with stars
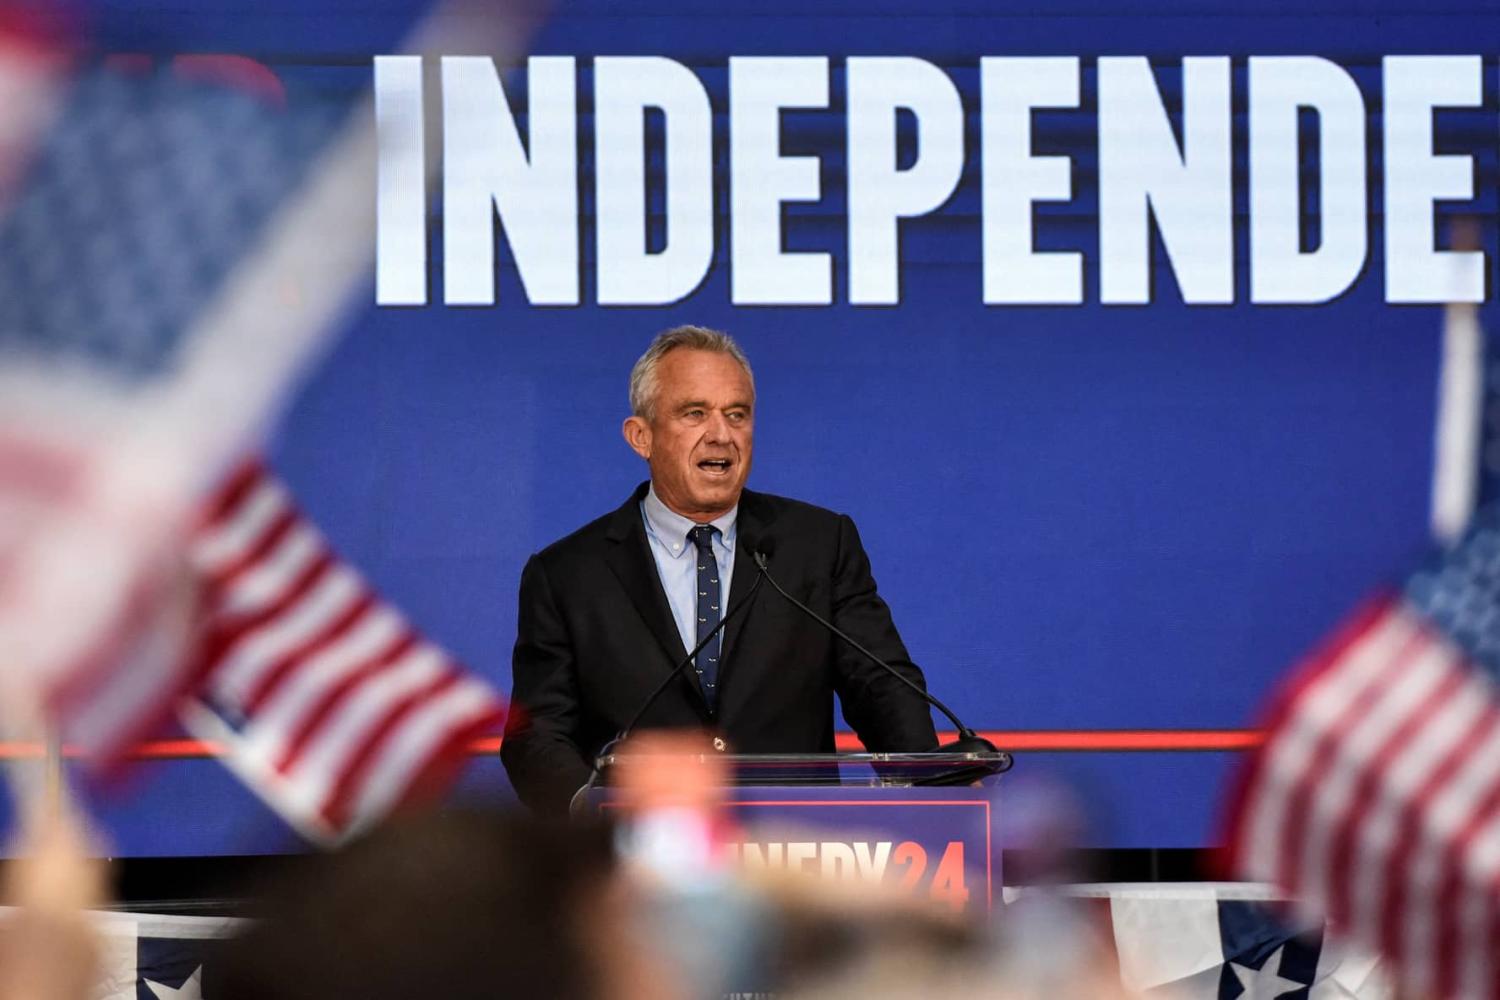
x: 1225, y: 941
x: 159, y: 957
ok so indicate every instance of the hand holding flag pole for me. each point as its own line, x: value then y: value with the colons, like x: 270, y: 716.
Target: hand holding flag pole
x: 50, y: 949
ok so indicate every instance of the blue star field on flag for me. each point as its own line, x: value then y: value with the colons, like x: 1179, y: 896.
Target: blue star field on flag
x: 139, y: 203
x: 1459, y: 590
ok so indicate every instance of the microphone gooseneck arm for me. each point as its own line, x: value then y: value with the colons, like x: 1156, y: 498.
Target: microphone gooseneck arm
x: 577, y: 801
x: 686, y: 661
x: 968, y: 740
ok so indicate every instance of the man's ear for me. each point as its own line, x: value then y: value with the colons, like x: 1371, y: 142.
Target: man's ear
x: 638, y: 435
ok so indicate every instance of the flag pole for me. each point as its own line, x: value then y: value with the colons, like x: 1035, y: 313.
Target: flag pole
x: 35, y: 778
x: 1460, y: 412
x: 53, y: 779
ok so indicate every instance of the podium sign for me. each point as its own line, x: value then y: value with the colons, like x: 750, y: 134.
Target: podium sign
x: 864, y: 816
x: 936, y: 842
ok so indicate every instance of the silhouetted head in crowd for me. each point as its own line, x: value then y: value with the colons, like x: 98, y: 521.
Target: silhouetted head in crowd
x: 455, y: 905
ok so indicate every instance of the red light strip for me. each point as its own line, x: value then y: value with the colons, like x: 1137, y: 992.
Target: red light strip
x: 1103, y: 740
x: 1014, y: 740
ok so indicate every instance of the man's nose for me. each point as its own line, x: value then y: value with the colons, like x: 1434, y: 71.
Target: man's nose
x: 718, y: 426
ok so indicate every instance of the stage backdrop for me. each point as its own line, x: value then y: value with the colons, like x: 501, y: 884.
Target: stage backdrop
x: 1117, y: 331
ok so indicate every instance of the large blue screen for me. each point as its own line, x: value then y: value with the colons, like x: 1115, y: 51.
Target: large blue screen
x: 1126, y: 498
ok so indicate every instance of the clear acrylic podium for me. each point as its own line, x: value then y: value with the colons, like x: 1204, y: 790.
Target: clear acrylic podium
x: 874, y: 770
x: 929, y: 820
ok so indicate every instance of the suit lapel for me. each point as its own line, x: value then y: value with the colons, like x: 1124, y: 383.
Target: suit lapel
x: 754, y: 522
x: 629, y: 558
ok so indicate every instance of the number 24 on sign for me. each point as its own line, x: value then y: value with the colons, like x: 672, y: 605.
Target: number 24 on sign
x: 907, y: 861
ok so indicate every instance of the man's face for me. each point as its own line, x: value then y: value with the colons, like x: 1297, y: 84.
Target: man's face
x: 698, y: 443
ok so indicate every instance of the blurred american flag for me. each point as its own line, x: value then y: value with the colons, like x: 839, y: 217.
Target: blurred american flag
x: 324, y: 697
x: 173, y: 253
x: 178, y: 240
x: 1376, y: 797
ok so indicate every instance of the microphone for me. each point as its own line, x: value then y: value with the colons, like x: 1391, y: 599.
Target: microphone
x: 968, y: 740
x: 759, y: 555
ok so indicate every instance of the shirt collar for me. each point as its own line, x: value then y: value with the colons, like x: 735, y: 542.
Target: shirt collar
x: 671, y: 528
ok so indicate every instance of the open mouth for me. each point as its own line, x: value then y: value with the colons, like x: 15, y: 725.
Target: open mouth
x: 715, y: 466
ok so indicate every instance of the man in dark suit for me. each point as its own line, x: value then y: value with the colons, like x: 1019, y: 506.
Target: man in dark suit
x: 606, y: 612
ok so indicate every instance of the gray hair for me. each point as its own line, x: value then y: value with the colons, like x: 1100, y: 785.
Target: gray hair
x: 643, y: 381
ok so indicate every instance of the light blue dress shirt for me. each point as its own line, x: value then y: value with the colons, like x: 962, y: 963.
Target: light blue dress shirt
x: 677, y: 564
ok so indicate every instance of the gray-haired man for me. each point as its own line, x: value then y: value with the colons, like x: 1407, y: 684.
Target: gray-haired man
x: 607, y: 612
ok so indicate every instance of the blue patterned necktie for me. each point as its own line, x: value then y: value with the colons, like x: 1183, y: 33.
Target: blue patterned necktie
x: 708, y: 609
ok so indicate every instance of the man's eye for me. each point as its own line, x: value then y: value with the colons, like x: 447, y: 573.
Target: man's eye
x: 737, y: 416
x: 693, y: 414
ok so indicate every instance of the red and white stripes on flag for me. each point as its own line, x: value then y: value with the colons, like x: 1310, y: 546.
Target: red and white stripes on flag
x: 1376, y: 800
x: 130, y: 382
x: 324, y: 698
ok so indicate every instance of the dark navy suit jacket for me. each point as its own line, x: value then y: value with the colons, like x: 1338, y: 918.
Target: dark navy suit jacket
x: 595, y: 636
